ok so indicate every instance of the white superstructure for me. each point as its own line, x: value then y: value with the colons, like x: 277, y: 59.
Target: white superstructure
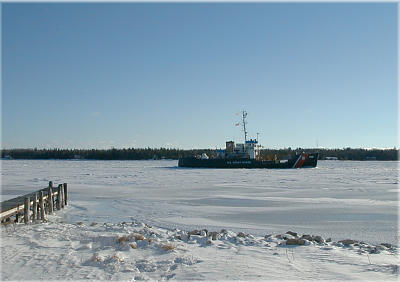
x: 248, y: 150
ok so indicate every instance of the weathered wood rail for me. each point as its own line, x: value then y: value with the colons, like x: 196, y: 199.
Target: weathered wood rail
x: 34, y: 206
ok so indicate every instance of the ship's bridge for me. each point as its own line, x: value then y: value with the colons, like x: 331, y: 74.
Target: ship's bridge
x: 251, y: 148
x: 251, y: 141
x: 247, y: 150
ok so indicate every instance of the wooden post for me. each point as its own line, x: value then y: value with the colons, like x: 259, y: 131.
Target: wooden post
x: 41, y: 204
x: 65, y: 193
x: 38, y: 208
x: 35, y: 207
x: 17, y: 215
x: 60, y: 200
x: 59, y: 197
x: 62, y: 195
x: 27, y: 210
x: 50, y: 198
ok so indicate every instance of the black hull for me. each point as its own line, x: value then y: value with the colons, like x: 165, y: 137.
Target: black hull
x: 300, y: 161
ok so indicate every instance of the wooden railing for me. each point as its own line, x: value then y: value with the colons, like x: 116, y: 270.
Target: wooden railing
x: 34, y: 206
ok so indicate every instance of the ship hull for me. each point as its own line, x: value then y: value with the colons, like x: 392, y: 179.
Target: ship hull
x: 300, y: 161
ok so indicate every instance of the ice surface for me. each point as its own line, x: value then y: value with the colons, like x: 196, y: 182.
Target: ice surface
x: 341, y: 200
x: 337, y: 199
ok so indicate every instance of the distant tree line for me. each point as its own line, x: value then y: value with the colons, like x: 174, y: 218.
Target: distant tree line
x: 164, y: 153
x: 356, y: 154
x: 99, y: 154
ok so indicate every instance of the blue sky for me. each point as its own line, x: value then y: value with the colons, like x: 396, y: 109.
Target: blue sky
x: 78, y: 75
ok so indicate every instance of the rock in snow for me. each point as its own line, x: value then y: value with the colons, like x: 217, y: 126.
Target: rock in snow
x: 348, y: 242
x: 213, y: 235
x: 317, y: 239
x: 292, y: 233
x: 295, y: 242
x: 241, y: 234
x: 307, y: 237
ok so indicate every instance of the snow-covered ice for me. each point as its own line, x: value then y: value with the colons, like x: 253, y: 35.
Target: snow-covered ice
x: 337, y: 199
x: 111, y: 203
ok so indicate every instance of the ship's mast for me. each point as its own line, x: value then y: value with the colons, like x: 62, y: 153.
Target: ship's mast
x: 244, y: 115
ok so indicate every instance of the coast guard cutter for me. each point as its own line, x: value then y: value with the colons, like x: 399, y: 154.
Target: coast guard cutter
x: 247, y: 155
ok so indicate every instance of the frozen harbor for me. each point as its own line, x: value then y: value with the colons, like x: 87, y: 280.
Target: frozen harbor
x: 337, y: 199
x: 135, y: 220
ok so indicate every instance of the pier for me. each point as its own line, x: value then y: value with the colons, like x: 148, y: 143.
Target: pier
x: 34, y: 206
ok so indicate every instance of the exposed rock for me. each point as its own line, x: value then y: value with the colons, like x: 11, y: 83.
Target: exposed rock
x: 380, y: 247
x: 307, y: 237
x: 348, y: 242
x: 267, y: 236
x: 318, y: 239
x: 223, y: 231
x: 213, y: 235
x: 241, y: 234
x: 280, y: 236
x: 374, y: 250
x: 387, y: 245
x: 328, y: 240
x: 292, y: 233
x: 295, y: 242
x: 194, y: 232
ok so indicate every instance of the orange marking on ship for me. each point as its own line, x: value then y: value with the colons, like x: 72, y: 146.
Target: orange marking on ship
x: 302, y: 159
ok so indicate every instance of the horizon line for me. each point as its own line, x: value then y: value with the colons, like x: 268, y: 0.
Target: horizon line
x: 172, y: 148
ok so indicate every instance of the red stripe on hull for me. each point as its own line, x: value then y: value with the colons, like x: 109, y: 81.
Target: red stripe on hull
x: 301, y: 161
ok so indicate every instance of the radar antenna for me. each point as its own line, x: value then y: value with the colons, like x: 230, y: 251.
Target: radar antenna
x: 244, y: 115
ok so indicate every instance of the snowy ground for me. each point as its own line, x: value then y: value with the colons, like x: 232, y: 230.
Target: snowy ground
x: 59, y: 250
x: 113, y: 204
